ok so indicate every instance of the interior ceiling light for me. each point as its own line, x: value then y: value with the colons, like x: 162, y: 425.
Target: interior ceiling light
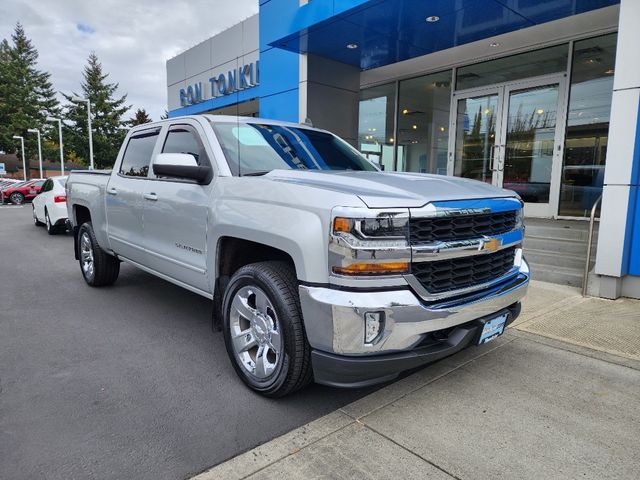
x: 405, y: 111
x: 494, y: 44
x: 540, y: 111
x: 352, y: 46
x: 415, y: 127
x: 432, y: 19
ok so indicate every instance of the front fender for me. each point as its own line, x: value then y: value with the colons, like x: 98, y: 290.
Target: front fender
x: 300, y: 233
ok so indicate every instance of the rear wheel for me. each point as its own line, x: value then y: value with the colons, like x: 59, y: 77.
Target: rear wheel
x: 17, y: 198
x: 264, y: 331
x: 51, y: 229
x: 98, y: 267
x: 36, y: 222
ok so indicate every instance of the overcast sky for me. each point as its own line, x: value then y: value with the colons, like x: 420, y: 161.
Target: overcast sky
x: 133, y: 39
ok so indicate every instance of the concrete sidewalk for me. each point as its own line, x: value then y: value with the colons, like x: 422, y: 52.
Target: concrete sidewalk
x: 524, y: 406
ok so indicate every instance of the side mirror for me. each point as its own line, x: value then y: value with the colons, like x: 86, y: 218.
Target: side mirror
x: 181, y: 165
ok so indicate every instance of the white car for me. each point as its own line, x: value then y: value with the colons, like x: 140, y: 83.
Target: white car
x: 50, y: 205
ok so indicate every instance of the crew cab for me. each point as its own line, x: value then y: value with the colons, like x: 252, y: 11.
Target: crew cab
x: 319, y: 265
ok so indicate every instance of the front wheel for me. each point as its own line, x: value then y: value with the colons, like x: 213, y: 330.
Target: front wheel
x: 98, y: 267
x: 264, y: 331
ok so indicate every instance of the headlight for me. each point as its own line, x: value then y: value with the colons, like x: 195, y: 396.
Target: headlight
x: 519, y: 219
x: 376, y: 243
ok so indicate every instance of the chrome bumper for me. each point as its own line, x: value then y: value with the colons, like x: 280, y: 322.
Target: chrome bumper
x: 334, y: 319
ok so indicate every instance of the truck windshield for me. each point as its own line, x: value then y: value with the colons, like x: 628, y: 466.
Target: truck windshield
x: 258, y: 148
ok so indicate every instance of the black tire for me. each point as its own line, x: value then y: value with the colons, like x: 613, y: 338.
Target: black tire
x: 36, y: 222
x: 16, y: 198
x: 51, y: 229
x: 279, y: 282
x: 105, y: 267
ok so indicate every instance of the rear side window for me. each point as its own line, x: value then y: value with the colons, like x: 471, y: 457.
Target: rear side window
x: 48, y: 185
x: 137, y: 155
x: 185, y: 139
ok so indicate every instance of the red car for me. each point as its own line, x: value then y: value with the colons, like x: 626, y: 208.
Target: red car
x: 22, y: 192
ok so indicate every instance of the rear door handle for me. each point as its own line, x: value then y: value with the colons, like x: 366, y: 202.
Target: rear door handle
x: 151, y: 196
x: 112, y: 191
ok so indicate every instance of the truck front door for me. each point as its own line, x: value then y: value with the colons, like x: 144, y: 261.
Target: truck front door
x: 124, y: 198
x: 176, y: 213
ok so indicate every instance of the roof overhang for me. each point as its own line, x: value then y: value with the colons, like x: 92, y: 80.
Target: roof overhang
x: 375, y: 33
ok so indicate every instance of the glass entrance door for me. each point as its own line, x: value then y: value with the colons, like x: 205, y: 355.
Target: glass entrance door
x: 475, y: 136
x: 509, y: 136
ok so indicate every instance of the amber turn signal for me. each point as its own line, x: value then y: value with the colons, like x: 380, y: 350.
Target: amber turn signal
x: 372, y: 268
x: 341, y: 224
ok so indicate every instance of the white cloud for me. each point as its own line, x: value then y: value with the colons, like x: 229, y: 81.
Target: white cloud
x: 133, y: 39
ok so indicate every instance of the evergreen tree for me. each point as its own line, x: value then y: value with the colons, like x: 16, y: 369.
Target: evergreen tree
x: 26, y: 94
x: 141, y: 116
x: 106, y: 117
x: 164, y: 116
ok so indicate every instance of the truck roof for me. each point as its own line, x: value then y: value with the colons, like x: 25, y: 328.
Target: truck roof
x: 227, y: 119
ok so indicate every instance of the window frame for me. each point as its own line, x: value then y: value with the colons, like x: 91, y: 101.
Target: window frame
x: 200, y: 135
x: 146, y: 132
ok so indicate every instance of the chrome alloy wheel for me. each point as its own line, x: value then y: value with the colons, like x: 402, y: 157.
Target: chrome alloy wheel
x: 86, y: 255
x: 255, y: 332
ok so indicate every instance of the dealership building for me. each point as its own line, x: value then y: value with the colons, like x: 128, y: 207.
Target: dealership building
x: 537, y: 96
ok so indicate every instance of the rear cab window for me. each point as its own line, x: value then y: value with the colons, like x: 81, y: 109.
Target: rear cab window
x: 137, y: 155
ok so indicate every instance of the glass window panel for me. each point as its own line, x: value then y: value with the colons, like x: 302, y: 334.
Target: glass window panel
x: 476, y: 137
x: 137, y: 156
x: 423, y: 123
x: 375, y: 124
x: 524, y: 65
x: 587, y: 124
x: 531, y: 130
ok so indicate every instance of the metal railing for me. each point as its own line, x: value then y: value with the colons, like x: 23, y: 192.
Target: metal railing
x: 587, y: 264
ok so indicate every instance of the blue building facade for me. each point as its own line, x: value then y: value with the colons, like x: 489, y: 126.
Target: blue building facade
x: 539, y: 97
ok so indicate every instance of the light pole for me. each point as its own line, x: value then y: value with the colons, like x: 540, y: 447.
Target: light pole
x: 52, y: 119
x: 24, y: 164
x: 88, y: 102
x: 35, y: 130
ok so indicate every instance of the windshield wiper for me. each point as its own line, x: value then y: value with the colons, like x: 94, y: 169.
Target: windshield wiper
x: 255, y: 174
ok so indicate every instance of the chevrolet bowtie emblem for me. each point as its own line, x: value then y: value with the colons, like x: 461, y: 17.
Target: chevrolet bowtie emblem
x: 491, y: 244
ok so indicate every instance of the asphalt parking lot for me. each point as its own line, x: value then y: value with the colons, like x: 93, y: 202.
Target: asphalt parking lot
x: 121, y: 382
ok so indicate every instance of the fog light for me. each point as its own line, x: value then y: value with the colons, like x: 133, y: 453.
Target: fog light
x: 373, y: 326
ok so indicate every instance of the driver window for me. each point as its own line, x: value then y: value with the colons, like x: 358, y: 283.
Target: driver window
x: 185, y: 139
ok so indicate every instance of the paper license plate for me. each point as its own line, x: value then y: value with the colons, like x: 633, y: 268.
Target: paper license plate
x: 493, y: 328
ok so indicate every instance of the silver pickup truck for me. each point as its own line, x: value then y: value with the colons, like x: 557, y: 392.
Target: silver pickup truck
x: 319, y: 265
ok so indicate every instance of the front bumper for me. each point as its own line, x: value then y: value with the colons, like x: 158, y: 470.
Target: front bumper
x: 351, y: 372
x: 334, y: 323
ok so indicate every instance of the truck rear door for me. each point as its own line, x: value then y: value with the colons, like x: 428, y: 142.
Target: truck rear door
x: 124, y: 199
x: 176, y: 212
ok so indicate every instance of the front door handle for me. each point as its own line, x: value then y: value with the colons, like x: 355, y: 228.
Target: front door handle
x: 151, y: 196
x: 112, y: 191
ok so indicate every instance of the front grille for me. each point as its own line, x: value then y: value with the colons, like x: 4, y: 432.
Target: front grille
x: 456, y: 273
x: 460, y: 227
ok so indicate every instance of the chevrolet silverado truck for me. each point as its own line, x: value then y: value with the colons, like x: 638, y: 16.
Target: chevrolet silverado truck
x: 319, y: 265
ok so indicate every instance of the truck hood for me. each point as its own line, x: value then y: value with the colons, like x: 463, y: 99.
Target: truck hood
x: 393, y: 189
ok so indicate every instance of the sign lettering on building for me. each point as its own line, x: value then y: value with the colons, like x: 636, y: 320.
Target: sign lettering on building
x: 241, y: 78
